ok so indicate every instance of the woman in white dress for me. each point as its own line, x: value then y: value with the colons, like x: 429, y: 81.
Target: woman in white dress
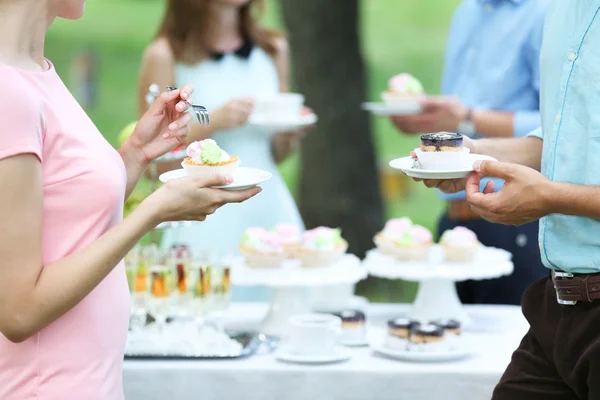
x: 219, y: 48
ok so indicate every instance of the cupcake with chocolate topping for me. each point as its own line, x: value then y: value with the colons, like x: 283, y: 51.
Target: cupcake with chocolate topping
x: 443, y: 141
x: 399, y: 332
x: 205, y: 157
x: 262, y: 249
x: 459, y: 244
x: 442, y: 151
x: 402, y: 88
x: 353, y: 326
x: 405, y: 240
x: 428, y: 337
x: 322, y: 247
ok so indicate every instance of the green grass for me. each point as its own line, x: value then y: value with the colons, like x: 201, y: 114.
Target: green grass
x: 398, y: 36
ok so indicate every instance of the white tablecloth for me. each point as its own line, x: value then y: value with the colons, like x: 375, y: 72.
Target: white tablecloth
x: 496, y: 332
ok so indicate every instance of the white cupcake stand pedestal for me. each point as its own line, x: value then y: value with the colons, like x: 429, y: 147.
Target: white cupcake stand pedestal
x: 437, y: 296
x: 291, y: 282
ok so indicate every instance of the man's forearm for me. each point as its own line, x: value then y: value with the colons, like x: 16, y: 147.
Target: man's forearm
x: 525, y: 151
x: 570, y: 199
x: 493, y: 124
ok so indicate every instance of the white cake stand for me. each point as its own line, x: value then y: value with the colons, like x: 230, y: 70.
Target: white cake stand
x: 291, y: 282
x: 437, y: 296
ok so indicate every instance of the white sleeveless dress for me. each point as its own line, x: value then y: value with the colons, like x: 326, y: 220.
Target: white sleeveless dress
x: 216, y: 82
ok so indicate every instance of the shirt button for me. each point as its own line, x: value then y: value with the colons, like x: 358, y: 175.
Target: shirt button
x: 521, y: 240
x: 572, y: 56
x: 557, y: 118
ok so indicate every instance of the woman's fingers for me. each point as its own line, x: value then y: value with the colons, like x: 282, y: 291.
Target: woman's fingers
x: 186, y: 92
x: 183, y: 121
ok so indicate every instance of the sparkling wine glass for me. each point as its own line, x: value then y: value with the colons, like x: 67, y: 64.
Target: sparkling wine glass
x: 162, y: 287
x: 221, y: 288
x: 200, y: 292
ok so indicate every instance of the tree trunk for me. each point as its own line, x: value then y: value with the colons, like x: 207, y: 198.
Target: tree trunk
x: 339, y: 184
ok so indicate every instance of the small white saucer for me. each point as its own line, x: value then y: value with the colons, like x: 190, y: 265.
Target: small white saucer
x: 421, y: 356
x: 339, y: 354
x: 407, y: 165
x: 244, y: 178
x: 266, y: 123
x: 389, y: 109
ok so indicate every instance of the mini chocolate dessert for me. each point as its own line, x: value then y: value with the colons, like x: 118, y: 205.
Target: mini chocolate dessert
x: 427, y: 333
x: 432, y: 142
x: 401, y: 327
x: 353, y: 326
x: 450, y: 326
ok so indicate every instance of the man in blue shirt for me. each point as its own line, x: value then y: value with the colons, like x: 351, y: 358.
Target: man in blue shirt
x: 559, y: 357
x: 491, y: 88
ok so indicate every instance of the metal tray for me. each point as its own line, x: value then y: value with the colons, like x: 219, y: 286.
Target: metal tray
x: 250, y: 342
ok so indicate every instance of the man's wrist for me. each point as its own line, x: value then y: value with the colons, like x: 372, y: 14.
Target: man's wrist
x: 553, y: 197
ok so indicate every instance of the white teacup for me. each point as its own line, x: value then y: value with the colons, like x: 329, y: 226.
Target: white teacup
x: 442, y: 160
x: 314, y: 334
x: 279, y: 107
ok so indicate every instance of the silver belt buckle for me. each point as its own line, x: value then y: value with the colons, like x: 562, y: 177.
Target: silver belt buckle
x: 562, y: 275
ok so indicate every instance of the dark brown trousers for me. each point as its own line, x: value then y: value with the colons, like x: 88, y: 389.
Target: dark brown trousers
x: 559, y: 357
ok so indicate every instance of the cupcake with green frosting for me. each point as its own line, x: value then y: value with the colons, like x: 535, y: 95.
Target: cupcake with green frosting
x: 207, y: 158
x: 404, y: 240
x: 262, y: 249
x: 401, y: 88
x: 322, y: 247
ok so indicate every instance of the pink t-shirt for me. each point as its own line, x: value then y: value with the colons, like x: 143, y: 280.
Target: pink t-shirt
x: 80, y: 355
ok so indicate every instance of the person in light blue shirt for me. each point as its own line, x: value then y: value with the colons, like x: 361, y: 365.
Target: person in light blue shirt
x: 559, y: 357
x: 490, y: 88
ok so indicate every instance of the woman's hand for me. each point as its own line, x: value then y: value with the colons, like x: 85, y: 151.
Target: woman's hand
x: 233, y: 114
x: 192, y: 199
x: 162, y: 127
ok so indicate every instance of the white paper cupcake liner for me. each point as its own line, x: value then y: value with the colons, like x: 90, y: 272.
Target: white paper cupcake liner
x: 459, y: 254
x: 207, y: 170
x: 259, y: 260
x: 386, y: 246
x: 321, y: 258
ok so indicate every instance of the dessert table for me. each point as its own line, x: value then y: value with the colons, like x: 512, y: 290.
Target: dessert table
x: 494, y: 333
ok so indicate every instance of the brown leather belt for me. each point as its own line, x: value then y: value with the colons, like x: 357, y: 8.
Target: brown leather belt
x: 460, y: 210
x: 571, y: 289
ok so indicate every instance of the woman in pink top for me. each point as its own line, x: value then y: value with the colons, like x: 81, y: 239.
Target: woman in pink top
x: 64, y: 303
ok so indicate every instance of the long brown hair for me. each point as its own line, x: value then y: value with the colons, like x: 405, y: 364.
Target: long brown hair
x: 184, y: 28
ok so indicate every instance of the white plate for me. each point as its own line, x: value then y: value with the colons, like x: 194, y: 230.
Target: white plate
x: 338, y: 355
x: 244, y: 178
x: 421, y: 356
x: 355, y: 343
x: 388, y: 109
x: 406, y: 165
x: 282, y: 125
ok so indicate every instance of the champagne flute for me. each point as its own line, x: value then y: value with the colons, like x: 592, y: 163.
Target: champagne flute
x: 162, y: 287
x: 221, y: 297
x: 200, y: 292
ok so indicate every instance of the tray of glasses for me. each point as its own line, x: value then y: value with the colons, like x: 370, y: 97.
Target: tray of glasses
x: 232, y: 345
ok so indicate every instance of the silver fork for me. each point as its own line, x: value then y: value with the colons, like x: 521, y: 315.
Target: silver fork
x: 200, y: 111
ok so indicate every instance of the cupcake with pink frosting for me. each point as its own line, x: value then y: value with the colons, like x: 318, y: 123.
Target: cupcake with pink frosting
x: 322, y: 247
x: 404, y: 240
x: 205, y: 157
x: 290, y: 237
x: 460, y: 244
x: 262, y: 249
x: 401, y: 88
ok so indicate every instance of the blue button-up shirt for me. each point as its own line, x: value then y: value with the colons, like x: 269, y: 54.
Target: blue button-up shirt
x: 570, y: 105
x: 492, y: 60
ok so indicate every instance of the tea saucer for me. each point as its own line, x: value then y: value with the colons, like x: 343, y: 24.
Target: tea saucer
x: 339, y: 354
x: 244, y: 178
x: 277, y: 125
x: 422, y: 356
x: 389, y: 109
x: 407, y: 165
